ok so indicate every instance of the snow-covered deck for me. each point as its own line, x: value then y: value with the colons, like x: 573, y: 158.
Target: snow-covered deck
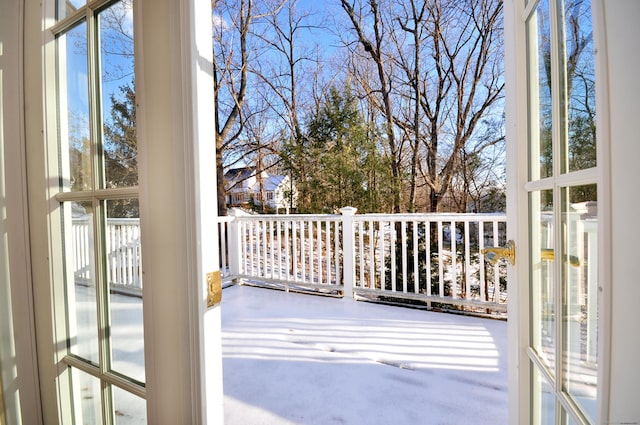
x: 300, y: 359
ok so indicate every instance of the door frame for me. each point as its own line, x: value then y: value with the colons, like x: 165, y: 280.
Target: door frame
x: 176, y: 136
x: 516, y: 106
x: 19, y: 386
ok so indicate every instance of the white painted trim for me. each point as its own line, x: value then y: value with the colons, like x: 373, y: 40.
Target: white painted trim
x: 177, y: 187
x: 581, y: 177
x: 200, y: 185
x: 618, y: 53
x: 516, y: 104
x: 45, y: 253
x: 20, y: 404
x: 603, y: 158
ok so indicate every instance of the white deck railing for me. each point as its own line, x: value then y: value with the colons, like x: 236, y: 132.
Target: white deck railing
x: 430, y: 258
x: 123, y: 267
x: 301, y: 250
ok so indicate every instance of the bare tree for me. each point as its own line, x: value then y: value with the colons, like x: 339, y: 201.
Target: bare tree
x: 230, y: 73
x: 373, y: 46
x: 450, y: 57
x: 233, y: 22
x: 412, y: 20
x: 291, y: 71
x: 284, y: 73
x: 467, y: 82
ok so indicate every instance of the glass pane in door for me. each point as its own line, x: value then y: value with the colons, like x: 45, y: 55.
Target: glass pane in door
x: 74, y: 110
x: 124, y: 280
x: 118, y: 96
x: 581, y: 95
x: 82, y: 310
x: 86, y: 398
x: 543, y: 288
x: 543, y: 400
x: 65, y: 8
x: 563, y: 227
x: 128, y: 409
x: 99, y: 203
x: 580, y: 270
x: 540, y: 99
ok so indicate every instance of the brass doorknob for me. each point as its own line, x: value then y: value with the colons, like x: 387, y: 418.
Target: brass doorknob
x: 507, y: 252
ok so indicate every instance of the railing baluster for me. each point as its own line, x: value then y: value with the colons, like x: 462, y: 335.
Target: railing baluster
x: 496, y: 266
x: 440, y: 261
x: 454, y: 263
x: 416, y: 256
x: 319, y: 250
x: 360, y: 253
x: 394, y: 251
x: 303, y: 258
x: 327, y: 244
x: 118, y: 256
x: 403, y: 227
x: 383, y: 235
x: 427, y: 254
x: 372, y: 255
x: 294, y: 239
x: 252, y: 248
x: 312, y: 253
x: 288, y: 253
x: 243, y: 246
x: 483, y: 282
x: 272, y: 250
x: 467, y: 261
x: 336, y: 250
x: 129, y: 255
x: 279, y: 250
x: 222, y: 231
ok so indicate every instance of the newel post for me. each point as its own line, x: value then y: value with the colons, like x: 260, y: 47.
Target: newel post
x: 349, y: 250
x: 235, y: 253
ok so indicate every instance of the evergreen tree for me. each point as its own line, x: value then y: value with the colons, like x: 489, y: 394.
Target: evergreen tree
x: 338, y: 165
x: 121, y: 151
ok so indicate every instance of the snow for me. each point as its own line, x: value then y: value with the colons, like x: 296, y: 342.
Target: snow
x: 300, y: 359
x: 291, y: 358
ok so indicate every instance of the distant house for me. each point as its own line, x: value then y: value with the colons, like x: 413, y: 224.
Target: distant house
x: 245, y: 186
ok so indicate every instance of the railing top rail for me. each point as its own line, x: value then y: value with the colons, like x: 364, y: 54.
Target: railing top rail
x: 289, y: 217
x: 110, y: 220
x: 434, y: 217
x: 460, y: 217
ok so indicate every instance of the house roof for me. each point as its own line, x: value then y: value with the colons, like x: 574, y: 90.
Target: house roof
x: 235, y: 176
x: 273, y: 182
x: 239, y: 173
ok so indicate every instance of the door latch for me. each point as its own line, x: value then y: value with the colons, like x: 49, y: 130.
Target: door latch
x: 214, y: 288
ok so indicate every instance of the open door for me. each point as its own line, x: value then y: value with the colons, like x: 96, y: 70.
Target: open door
x: 122, y: 210
x: 554, y: 185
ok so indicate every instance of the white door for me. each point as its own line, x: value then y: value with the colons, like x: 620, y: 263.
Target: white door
x: 554, y: 187
x: 96, y: 243
x: 126, y: 236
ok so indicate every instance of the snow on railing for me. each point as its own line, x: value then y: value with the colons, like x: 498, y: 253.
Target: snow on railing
x: 432, y: 258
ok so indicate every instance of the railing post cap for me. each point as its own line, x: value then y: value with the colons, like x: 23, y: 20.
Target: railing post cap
x: 348, y: 210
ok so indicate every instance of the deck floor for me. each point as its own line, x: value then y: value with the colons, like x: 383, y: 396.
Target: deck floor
x: 299, y: 359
